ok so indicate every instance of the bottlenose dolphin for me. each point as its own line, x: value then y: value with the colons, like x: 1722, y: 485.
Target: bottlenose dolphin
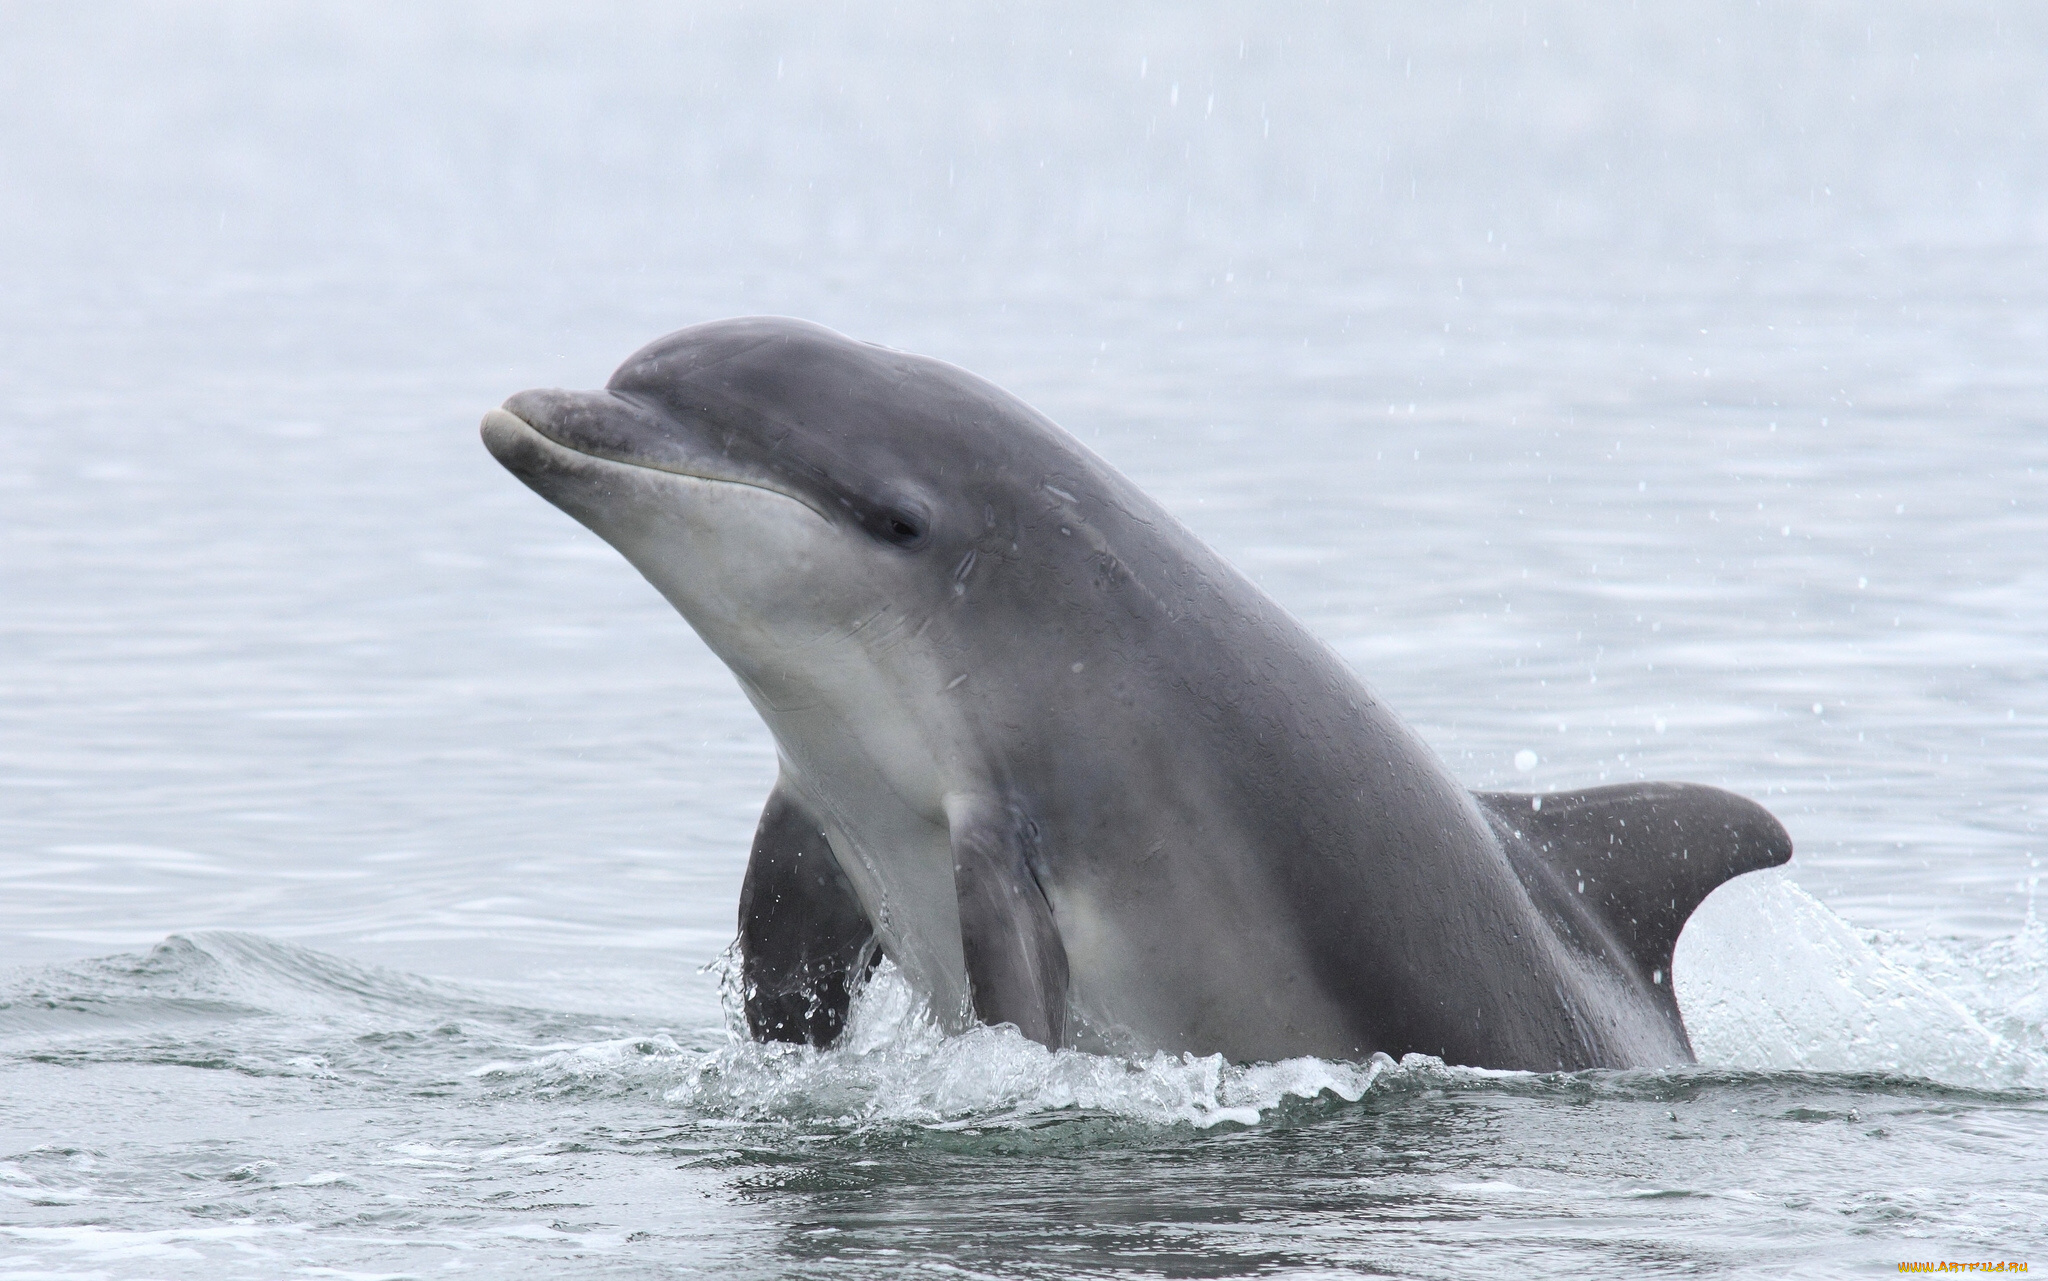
x: 1067, y: 768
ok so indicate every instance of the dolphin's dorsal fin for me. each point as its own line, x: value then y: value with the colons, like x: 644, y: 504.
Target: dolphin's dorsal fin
x: 1620, y: 868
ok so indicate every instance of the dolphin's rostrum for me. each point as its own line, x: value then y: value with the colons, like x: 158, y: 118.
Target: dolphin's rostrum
x: 1068, y: 769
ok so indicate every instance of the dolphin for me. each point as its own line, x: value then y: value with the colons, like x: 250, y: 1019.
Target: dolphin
x: 1066, y: 768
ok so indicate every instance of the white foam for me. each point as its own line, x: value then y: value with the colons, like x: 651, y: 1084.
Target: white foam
x: 113, y: 1243
x: 595, y: 1062
x: 894, y: 1065
x: 1769, y: 979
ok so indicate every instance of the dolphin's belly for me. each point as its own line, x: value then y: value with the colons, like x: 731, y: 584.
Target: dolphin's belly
x: 859, y: 750
x: 1197, y: 952
x: 902, y: 873
x: 901, y: 866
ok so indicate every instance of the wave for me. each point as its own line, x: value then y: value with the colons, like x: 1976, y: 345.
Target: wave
x: 1770, y: 980
x: 1778, y: 991
x: 249, y: 1004
x: 221, y: 972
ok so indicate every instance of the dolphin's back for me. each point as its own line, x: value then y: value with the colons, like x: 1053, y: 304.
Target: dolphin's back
x: 1474, y: 927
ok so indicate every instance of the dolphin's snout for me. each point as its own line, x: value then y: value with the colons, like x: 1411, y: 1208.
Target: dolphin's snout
x: 589, y: 422
x: 543, y: 410
x: 535, y: 407
x: 503, y: 419
x: 505, y: 434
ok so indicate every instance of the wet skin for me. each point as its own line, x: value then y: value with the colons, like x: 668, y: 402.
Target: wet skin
x: 1067, y: 768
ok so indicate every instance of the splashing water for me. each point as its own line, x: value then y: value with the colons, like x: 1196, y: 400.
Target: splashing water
x: 896, y: 1067
x: 448, y: 1118
x: 1770, y: 980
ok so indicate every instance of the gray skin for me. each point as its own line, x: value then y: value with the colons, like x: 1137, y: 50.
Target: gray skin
x: 1068, y: 769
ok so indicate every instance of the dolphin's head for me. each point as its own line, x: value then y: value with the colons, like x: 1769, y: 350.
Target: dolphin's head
x: 813, y: 505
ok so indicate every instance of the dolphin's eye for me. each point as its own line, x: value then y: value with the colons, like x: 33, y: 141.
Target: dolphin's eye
x: 904, y: 529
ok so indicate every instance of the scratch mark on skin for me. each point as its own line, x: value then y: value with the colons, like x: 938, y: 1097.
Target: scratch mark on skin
x: 956, y: 680
x: 890, y: 637
x: 831, y: 635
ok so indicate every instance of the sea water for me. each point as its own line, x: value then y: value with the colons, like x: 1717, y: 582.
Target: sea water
x: 1624, y: 395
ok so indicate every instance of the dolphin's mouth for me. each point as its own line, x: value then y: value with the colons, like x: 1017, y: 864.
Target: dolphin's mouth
x: 513, y: 437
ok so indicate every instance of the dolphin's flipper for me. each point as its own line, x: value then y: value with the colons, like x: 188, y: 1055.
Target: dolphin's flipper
x: 805, y: 940
x: 1620, y: 868
x: 1016, y: 963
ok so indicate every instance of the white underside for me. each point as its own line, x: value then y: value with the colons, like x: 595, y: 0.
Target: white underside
x: 805, y: 614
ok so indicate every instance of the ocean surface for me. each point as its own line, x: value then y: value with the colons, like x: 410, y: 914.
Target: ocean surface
x: 1649, y: 393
